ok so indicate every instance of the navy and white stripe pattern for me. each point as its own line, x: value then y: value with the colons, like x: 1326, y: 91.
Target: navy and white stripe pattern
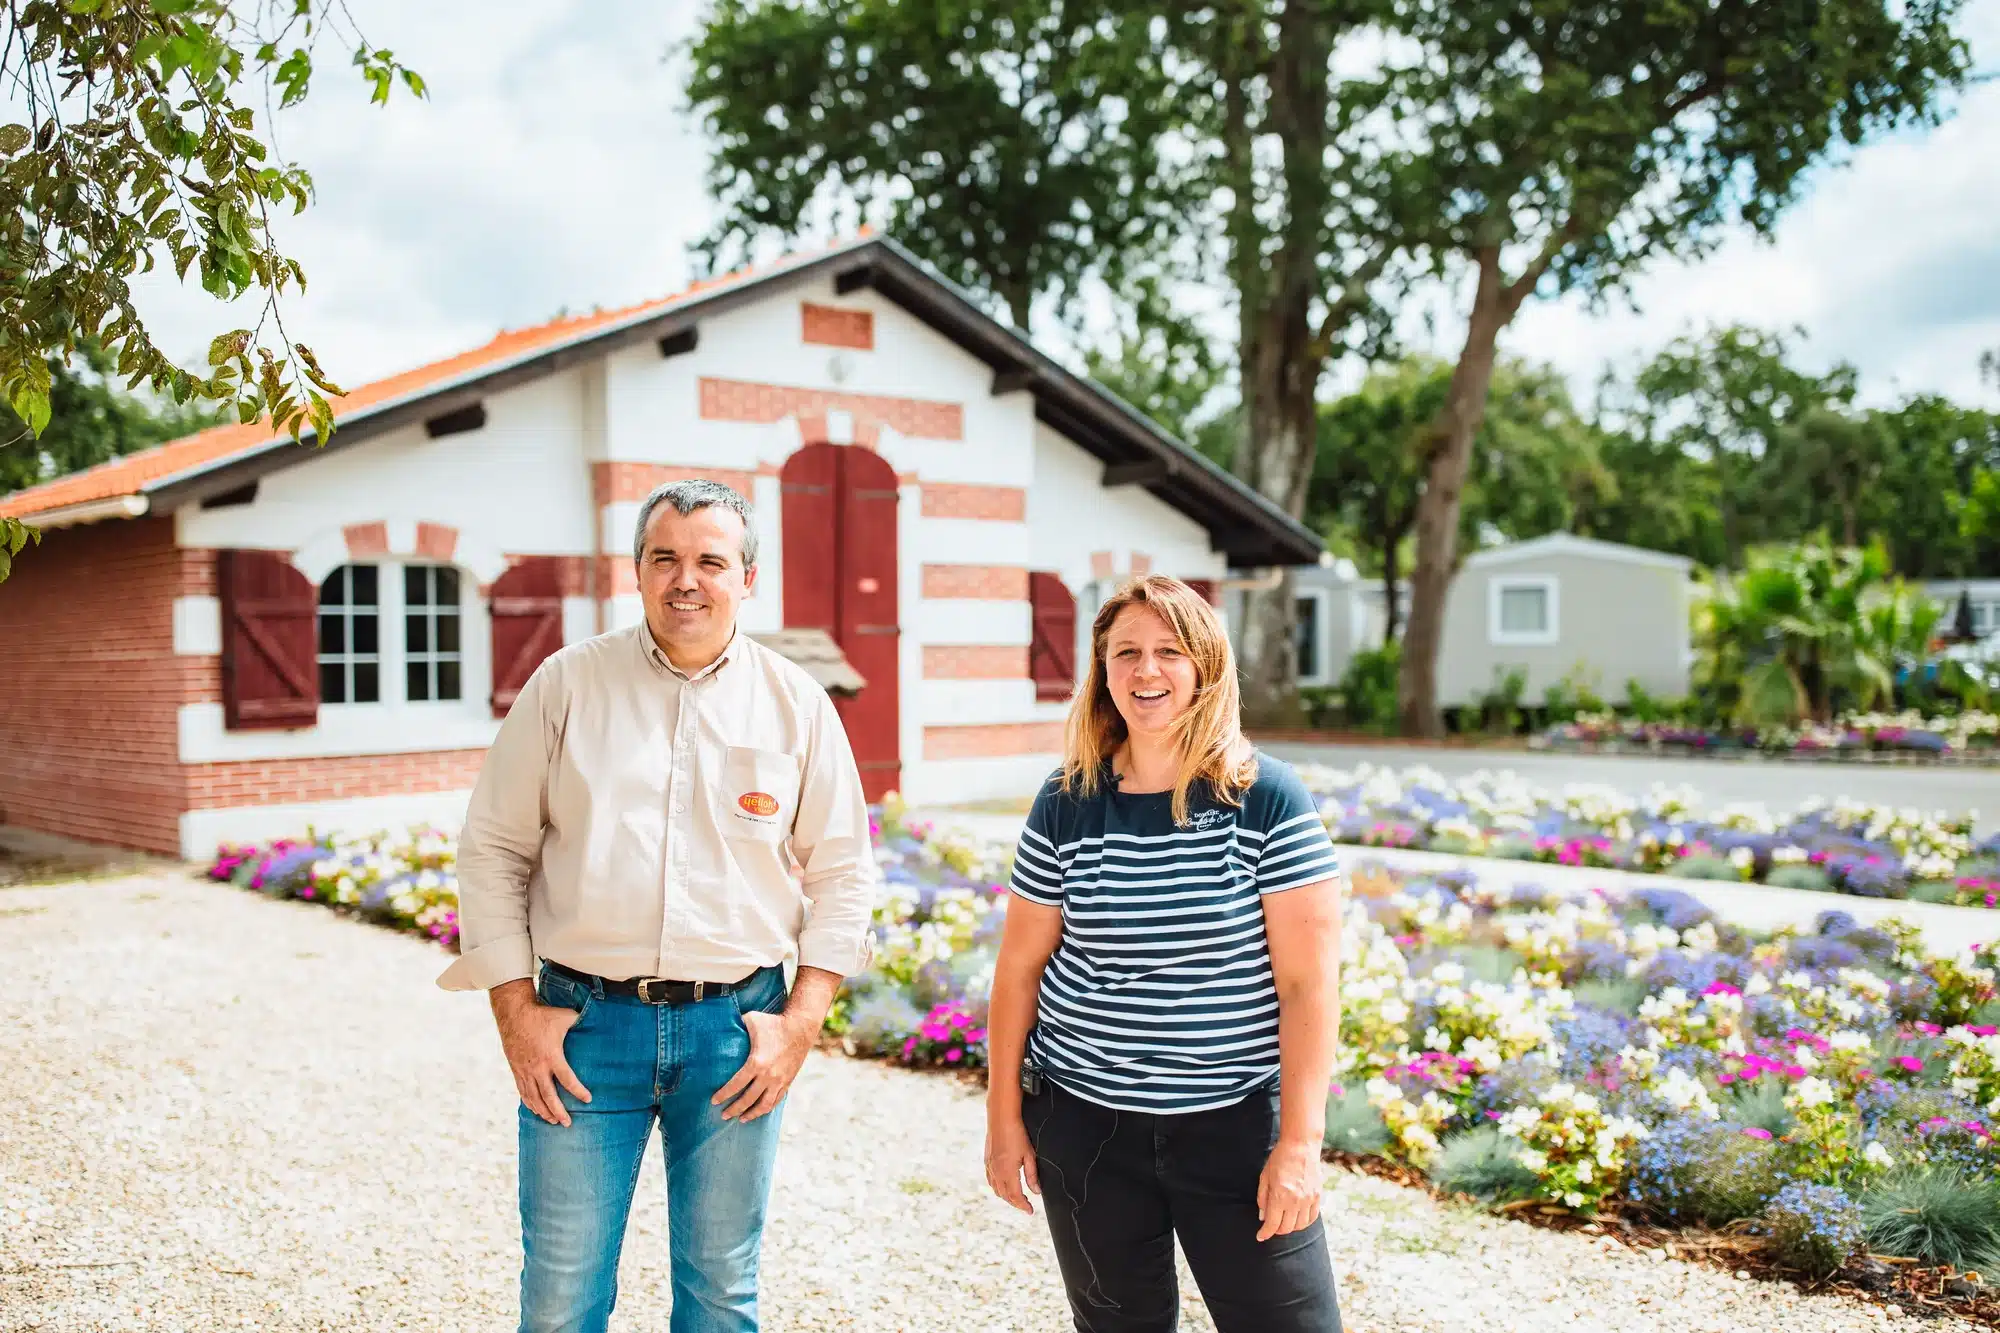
x: 1160, y: 995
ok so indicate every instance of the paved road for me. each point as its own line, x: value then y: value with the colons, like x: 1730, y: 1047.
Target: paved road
x: 1777, y: 784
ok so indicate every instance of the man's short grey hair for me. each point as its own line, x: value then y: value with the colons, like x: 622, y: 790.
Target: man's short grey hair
x: 688, y: 496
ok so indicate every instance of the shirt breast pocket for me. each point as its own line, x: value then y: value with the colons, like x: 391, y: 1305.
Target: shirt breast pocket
x: 759, y: 795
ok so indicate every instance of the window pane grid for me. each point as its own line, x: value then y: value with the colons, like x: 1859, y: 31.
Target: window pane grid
x: 432, y: 663
x: 1308, y: 637
x: 350, y: 663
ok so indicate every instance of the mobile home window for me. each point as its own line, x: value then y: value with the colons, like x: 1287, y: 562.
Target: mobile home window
x: 1308, y: 639
x: 1523, y: 610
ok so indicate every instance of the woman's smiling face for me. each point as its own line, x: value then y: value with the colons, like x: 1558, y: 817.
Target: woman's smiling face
x: 1151, y: 678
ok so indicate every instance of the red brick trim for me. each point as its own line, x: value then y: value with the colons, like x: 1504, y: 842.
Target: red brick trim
x: 831, y: 326
x: 1100, y: 564
x: 436, y: 541
x: 987, y: 583
x: 366, y: 541
x: 983, y: 661
x: 573, y: 573
x: 993, y: 741
x: 621, y: 482
x: 743, y: 400
x: 196, y: 574
x: 285, y: 781
x: 1142, y: 564
x: 950, y: 500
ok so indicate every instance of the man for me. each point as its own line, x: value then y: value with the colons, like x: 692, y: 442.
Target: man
x: 634, y: 827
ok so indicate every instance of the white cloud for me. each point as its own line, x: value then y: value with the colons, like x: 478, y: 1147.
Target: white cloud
x: 555, y: 165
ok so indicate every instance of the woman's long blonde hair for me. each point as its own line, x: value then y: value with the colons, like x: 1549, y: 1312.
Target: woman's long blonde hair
x: 1213, y: 751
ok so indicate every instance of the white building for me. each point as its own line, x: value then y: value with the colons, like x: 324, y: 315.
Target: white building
x: 233, y: 636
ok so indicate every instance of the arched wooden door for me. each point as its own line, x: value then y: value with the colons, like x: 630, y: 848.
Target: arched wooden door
x: 838, y: 513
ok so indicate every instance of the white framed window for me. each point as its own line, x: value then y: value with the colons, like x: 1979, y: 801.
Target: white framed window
x: 392, y: 634
x: 1523, y: 610
x: 1985, y: 617
x: 1309, y: 646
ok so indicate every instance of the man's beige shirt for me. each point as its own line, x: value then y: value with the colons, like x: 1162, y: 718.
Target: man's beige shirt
x: 632, y: 821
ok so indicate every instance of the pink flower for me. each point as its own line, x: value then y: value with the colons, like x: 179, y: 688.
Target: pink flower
x: 1930, y: 1028
x: 1982, y: 1029
x: 935, y: 1032
x: 1753, y: 1132
x: 952, y: 1057
x: 974, y: 1036
x: 1725, y: 1079
x: 1721, y: 988
x: 1910, y: 1063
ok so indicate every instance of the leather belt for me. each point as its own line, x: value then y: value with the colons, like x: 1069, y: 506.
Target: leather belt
x: 653, y: 990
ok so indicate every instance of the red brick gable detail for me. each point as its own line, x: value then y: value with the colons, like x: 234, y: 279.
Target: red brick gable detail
x: 743, y: 400
x: 986, y: 583
x: 830, y: 326
x: 949, y: 500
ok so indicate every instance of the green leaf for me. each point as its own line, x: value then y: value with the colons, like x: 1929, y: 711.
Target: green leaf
x: 228, y: 346
x: 414, y: 82
x: 13, y: 138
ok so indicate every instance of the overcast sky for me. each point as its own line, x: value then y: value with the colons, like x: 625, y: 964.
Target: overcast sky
x: 555, y: 166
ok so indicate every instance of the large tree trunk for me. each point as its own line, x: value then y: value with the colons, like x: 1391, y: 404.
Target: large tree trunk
x: 1392, y: 613
x: 1281, y: 377
x: 1280, y: 355
x: 1448, y: 450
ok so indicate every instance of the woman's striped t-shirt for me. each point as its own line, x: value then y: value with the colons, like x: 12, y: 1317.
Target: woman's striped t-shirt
x: 1160, y: 996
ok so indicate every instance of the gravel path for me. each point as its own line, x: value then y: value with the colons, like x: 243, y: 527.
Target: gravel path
x: 232, y: 1113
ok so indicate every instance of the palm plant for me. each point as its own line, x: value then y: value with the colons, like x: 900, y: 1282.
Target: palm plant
x: 1804, y: 625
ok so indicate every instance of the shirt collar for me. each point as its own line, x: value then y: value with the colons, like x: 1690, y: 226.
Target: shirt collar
x: 658, y: 657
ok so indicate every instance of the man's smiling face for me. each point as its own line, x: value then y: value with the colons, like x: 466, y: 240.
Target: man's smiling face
x: 692, y: 579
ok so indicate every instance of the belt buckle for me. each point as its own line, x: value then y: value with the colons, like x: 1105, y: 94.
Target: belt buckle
x: 646, y: 995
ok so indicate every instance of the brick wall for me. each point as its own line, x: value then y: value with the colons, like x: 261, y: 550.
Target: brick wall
x: 985, y: 661
x: 993, y: 741
x: 743, y: 400
x: 992, y: 583
x: 283, y: 781
x: 622, y: 481
x: 90, y: 698
x: 949, y: 500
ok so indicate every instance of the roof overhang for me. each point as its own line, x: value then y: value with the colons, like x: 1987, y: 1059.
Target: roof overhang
x: 90, y: 511
x: 1243, y: 525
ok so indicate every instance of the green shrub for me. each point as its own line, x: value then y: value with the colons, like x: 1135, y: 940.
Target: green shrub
x: 1704, y: 867
x: 1799, y: 877
x: 1489, y: 963
x: 1759, y: 1104
x: 1641, y: 705
x: 1932, y: 891
x: 1367, y: 688
x: 1322, y: 705
x: 1575, y: 693
x: 1484, y: 1163
x: 1622, y: 995
x: 1935, y: 1214
x: 1498, y: 711
x: 1352, y: 1125
x: 1813, y: 1228
x: 1512, y: 847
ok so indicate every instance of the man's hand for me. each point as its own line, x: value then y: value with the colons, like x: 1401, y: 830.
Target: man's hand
x: 779, y: 1044
x: 531, y: 1034
x: 1288, y: 1191
x: 1009, y: 1159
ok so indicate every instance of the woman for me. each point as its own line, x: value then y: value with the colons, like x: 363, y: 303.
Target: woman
x: 1165, y: 1006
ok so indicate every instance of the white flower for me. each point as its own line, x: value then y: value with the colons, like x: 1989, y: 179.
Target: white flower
x: 1812, y: 1092
x: 1877, y: 1156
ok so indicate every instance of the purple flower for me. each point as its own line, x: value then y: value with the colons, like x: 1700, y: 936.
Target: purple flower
x: 1755, y: 1132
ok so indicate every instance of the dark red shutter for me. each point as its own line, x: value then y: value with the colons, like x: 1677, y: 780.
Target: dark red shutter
x: 1205, y: 587
x: 809, y: 521
x: 270, y: 642
x: 526, y: 609
x: 1052, y: 641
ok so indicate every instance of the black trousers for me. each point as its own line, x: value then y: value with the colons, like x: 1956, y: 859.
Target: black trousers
x: 1119, y: 1186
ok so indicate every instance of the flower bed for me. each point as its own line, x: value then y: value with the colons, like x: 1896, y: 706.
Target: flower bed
x: 1968, y: 737
x: 1580, y: 1052
x: 1842, y: 847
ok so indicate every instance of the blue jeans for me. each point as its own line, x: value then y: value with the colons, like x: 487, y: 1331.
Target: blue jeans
x: 644, y: 1063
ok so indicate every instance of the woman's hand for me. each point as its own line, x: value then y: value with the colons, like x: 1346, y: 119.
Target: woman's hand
x: 1288, y: 1191
x: 1009, y: 1159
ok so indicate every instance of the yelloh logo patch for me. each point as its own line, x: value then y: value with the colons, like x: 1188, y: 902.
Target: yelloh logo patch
x: 758, y: 803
